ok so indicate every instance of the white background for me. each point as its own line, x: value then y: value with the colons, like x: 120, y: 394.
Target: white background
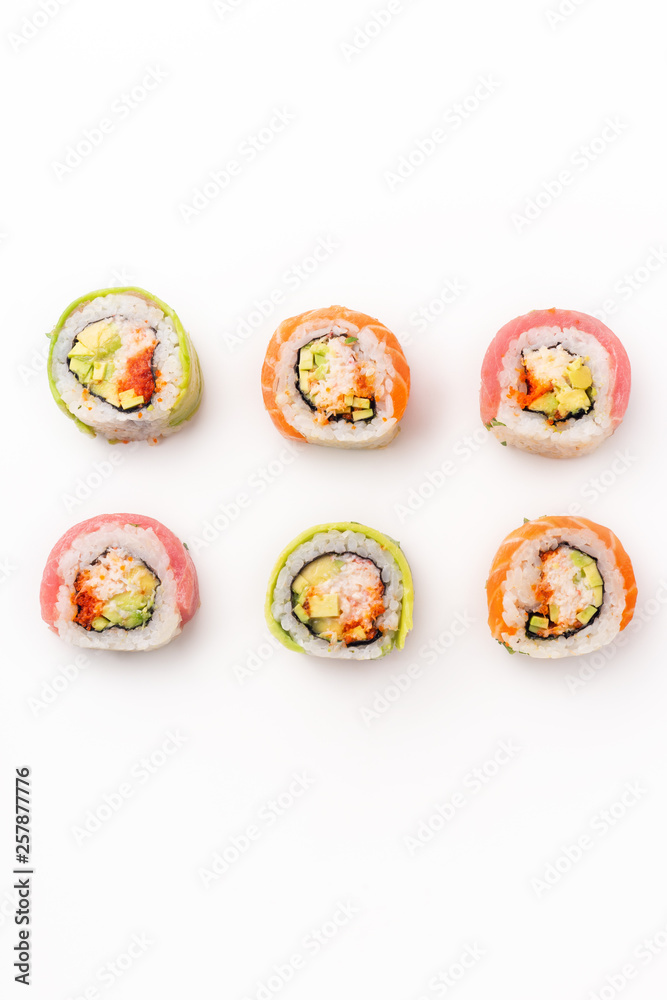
x: 117, y: 218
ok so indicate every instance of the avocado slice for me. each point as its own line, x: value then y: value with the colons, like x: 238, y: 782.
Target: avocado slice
x: 547, y: 404
x: 302, y: 615
x: 580, y: 559
x: 580, y: 378
x: 328, y: 628
x: 127, y: 601
x: 128, y: 609
x: 107, y: 390
x: 143, y: 580
x: 362, y: 414
x: 598, y: 596
x: 136, y: 619
x: 319, y: 570
x: 299, y: 584
x: 554, y: 613
x: 92, y: 335
x: 80, y: 350
x: 109, y: 346
x: 537, y: 623
x: 325, y: 606
x: 585, y: 616
x: 81, y: 367
x: 306, y: 359
x: 128, y: 399
x: 592, y: 574
x: 87, y: 359
x: 572, y: 401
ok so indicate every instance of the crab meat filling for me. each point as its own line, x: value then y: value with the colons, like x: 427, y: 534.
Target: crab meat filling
x: 335, y: 381
x: 113, y: 359
x: 568, y: 595
x: 340, y: 597
x: 558, y: 384
x: 117, y: 589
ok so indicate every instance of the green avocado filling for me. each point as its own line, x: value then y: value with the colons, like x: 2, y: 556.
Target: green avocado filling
x: 558, y: 383
x: 332, y: 381
x: 339, y: 597
x: 126, y: 383
x: 117, y: 589
x: 568, y: 595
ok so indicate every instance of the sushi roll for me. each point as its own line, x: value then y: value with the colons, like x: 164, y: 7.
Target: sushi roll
x: 335, y: 377
x: 554, y: 382
x: 560, y: 586
x: 121, y: 365
x: 119, y: 581
x: 341, y: 590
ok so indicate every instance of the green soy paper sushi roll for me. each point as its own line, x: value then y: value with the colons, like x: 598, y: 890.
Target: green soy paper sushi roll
x: 122, y: 365
x: 341, y: 591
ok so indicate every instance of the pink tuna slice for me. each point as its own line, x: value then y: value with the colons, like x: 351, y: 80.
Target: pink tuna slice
x: 619, y: 363
x: 181, y: 564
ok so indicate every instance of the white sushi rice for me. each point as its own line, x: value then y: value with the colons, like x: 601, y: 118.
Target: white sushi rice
x: 142, y: 543
x: 531, y: 431
x: 340, y: 541
x: 338, y: 433
x: 151, y: 420
x: 519, y: 596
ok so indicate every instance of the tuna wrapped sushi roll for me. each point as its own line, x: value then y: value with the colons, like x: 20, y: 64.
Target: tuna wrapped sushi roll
x: 120, y: 582
x: 554, y: 382
x: 341, y: 590
x: 560, y: 586
x: 336, y: 377
x: 121, y: 365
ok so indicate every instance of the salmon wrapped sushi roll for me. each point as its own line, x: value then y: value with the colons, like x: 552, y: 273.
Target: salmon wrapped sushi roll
x: 122, y: 365
x: 341, y: 590
x: 336, y: 377
x: 120, y: 582
x: 554, y: 382
x: 560, y: 586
